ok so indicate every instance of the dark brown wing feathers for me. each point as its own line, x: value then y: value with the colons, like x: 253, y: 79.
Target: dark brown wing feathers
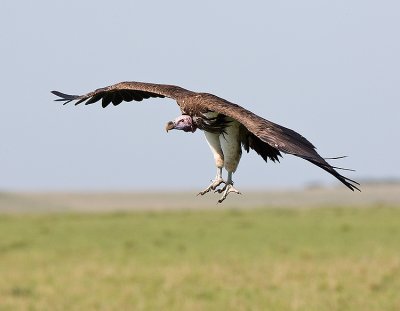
x: 125, y: 91
x: 250, y: 141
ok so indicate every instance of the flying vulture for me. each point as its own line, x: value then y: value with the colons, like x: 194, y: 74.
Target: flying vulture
x: 228, y: 128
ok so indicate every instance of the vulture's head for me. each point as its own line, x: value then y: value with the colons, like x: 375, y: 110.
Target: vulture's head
x: 183, y: 123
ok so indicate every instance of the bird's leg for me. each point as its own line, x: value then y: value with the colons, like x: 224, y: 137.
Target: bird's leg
x: 228, y: 188
x: 215, y: 183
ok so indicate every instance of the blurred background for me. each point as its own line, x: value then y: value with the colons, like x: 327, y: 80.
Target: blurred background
x: 329, y: 70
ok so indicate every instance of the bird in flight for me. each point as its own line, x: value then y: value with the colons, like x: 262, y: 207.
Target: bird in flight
x: 227, y: 127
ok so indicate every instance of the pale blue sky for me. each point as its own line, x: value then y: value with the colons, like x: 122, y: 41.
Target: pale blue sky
x: 327, y: 69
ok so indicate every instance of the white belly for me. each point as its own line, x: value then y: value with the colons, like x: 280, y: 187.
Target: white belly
x: 226, y: 146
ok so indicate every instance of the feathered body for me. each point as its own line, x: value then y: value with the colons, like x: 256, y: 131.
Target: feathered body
x: 227, y: 127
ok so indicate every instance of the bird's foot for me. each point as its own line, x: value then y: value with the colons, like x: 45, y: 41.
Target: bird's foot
x: 228, y: 188
x: 215, y: 183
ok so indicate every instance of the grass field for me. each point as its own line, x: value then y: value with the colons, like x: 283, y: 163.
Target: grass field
x: 337, y: 258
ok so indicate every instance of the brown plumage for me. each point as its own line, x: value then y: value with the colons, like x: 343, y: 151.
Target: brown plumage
x: 265, y: 137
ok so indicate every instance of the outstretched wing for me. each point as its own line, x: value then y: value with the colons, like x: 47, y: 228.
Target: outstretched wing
x: 274, y: 135
x: 125, y: 91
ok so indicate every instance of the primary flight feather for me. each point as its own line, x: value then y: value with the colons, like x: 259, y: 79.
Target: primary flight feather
x: 228, y: 127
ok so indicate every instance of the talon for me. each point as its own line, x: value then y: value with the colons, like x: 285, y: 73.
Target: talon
x: 228, y: 189
x: 213, y: 186
x: 221, y: 190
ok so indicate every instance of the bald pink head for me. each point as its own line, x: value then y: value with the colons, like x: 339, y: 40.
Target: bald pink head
x: 183, y: 123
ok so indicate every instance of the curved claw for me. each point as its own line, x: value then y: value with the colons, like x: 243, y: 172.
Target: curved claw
x: 228, y: 189
x: 221, y: 190
x: 213, y: 186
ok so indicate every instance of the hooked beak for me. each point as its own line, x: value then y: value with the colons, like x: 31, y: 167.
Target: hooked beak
x: 170, y: 126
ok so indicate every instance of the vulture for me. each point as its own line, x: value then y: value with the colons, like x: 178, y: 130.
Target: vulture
x: 228, y: 128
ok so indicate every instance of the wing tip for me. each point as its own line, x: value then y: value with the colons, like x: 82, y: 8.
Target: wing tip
x: 65, y: 98
x: 351, y: 184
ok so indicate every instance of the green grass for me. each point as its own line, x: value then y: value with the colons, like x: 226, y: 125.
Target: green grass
x: 264, y: 259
